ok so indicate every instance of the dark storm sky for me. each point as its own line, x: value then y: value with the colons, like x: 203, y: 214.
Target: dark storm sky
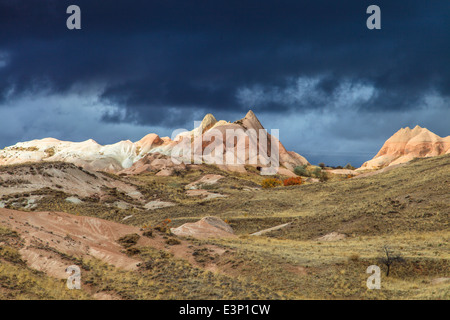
x: 312, y: 69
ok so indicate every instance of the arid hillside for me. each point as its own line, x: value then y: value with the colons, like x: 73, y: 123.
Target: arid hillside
x: 309, y: 241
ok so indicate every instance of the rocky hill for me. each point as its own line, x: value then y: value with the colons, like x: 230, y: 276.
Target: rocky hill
x: 130, y: 156
x: 407, y: 144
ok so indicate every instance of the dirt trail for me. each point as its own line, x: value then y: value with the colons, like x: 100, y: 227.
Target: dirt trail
x: 259, y: 233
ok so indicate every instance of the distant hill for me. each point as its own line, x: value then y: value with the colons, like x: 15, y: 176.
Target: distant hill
x: 407, y: 144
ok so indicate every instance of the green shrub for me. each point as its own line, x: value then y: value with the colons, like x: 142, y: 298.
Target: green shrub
x: 349, y: 166
x: 301, y: 171
x: 317, y: 172
x: 323, y: 177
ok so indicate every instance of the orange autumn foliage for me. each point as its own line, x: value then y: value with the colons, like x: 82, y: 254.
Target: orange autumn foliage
x: 295, y: 181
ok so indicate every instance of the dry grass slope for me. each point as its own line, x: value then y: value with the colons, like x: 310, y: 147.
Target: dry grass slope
x: 407, y: 208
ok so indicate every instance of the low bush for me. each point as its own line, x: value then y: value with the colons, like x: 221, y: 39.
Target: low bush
x: 50, y: 152
x: 301, y: 171
x: 172, y: 241
x: 132, y: 251
x: 271, y: 183
x: 317, y: 172
x: 349, y: 166
x: 164, y: 226
x: 292, y: 181
x: 148, y: 233
x: 129, y: 240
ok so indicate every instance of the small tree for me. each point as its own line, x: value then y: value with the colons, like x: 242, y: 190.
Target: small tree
x: 389, y: 258
x: 349, y: 166
x: 322, y: 165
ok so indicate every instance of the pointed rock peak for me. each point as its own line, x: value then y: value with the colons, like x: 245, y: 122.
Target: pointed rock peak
x: 208, y: 122
x: 208, y: 119
x: 250, y: 121
x: 251, y: 115
x: 413, y: 132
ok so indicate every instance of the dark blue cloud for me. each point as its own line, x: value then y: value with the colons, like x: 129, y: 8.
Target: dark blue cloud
x: 197, y: 56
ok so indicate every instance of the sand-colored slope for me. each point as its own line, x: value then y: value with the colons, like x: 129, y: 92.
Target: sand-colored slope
x: 407, y: 144
x: 60, y: 176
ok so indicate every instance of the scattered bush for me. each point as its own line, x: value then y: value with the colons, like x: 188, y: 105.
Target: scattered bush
x: 320, y: 174
x: 271, y: 183
x: 50, y: 152
x: 147, y: 265
x: 292, y: 181
x: 349, y: 166
x: 173, y: 241
x: 317, y: 172
x: 323, y: 177
x: 148, y: 233
x: 354, y: 257
x: 164, y: 226
x: 133, y: 251
x: 301, y: 171
x: 129, y: 240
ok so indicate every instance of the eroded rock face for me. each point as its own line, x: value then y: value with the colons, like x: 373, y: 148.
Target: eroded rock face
x: 155, y: 162
x: 208, y: 227
x: 208, y: 179
x: 153, y: 153
x: 407, y: 144
x: 65, y: 177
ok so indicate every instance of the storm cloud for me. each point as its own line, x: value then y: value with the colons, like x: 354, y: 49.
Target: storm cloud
x: 158, y: 65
